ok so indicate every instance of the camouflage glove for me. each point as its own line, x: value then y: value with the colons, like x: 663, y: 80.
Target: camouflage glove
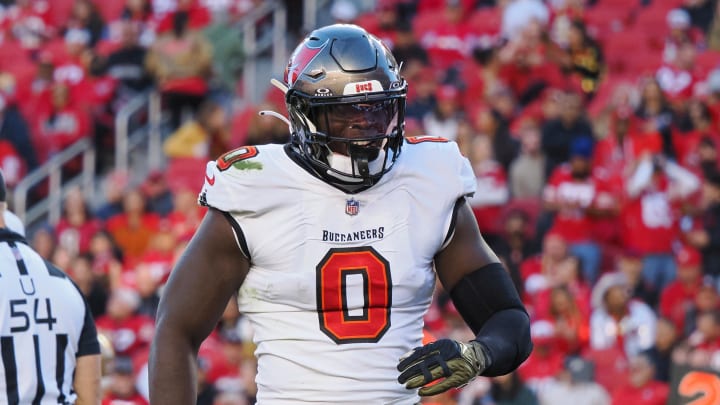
x: 457, y: 362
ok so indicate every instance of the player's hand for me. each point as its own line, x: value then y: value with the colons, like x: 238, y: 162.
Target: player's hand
x: 458, y: 363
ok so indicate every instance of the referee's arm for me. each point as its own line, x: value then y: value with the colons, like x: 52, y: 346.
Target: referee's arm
x: 87, y: 380
x: 88, y: 369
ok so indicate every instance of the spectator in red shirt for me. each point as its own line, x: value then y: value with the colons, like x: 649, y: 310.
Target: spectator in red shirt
x: 181, y: 63
x: 492, y: 192
x: 545, y: 362
x: 72, y: 62
x: 567, y: 275
x: 677, y: 78
x: 702, y: 348
x: 481, y: 73
x: 11, y: 163
x: 576, y: 195
x: 680, y: 31
x: 650, y: 216
x: 158, y: 259
x: 106, y: 257
x: 449, y: 40
x: 129, y: 333
x: 678, y: 297
x: 641, y: 387
x: 198, y: 16
x: 687, y: 143
x: 29, y: 22
x: 62, y: 126
x: 536, y: 271
x: 618, y: 150
x: 77, y: 225
x: 572, y: 332
x: 186, y: 214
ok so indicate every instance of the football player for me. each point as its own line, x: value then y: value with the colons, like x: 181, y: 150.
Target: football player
x: 334, y: 242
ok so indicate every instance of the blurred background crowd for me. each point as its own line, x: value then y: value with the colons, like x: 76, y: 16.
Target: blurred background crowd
x: 593, y: 127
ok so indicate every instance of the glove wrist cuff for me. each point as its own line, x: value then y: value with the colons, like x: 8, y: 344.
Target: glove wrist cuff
x: 482, y: 360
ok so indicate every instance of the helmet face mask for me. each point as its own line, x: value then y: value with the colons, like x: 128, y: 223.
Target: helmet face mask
x: 346, y: 104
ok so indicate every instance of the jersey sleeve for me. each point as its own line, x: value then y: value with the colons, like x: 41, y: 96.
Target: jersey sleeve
x: 445, y: 167
x: 236, y: 184
x: 447, y: 174
x: 468, y: 182
x: 232, y: 183
x: 88, y: 343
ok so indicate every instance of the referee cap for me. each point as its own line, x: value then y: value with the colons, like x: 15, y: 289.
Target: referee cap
x: 3, y: 191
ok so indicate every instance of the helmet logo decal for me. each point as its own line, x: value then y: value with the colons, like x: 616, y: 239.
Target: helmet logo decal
x: 370, y: 86
x: 300, y: 61
x: 323, y: 92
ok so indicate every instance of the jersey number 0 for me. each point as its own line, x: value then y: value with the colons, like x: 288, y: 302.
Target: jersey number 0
x: 333, y: 273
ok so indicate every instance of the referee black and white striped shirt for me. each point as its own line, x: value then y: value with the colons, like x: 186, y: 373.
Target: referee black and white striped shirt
x: 45, y: 329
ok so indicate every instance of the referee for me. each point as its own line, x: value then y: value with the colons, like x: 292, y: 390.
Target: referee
x: 49, y: 346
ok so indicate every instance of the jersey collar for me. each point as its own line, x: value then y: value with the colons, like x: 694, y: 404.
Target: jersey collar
x: 7, y: 235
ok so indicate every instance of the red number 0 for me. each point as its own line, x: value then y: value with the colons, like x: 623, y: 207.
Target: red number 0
x: 705, y: 384
x: 332, y: 295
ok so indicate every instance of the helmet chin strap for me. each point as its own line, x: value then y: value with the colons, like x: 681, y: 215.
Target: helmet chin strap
x: 361, y: 156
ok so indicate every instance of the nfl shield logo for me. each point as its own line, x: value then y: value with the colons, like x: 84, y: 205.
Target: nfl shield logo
x: 352, y: 207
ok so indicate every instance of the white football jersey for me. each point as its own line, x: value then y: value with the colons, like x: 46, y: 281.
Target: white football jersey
x: 339, y: 283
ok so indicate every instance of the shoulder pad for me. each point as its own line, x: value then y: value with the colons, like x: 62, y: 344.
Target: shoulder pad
x: 440, y: 160
x: 231, y: 180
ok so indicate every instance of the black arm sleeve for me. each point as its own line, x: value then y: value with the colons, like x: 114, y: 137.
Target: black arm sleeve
x: 490, y: 305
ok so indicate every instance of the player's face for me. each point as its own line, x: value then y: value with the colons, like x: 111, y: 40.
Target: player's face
x: 356, y: 121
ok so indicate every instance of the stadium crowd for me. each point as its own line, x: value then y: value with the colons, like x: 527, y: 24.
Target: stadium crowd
x: 593, y: 127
